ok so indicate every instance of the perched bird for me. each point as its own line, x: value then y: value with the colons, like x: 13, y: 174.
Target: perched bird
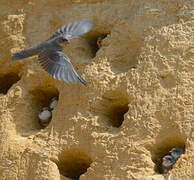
x: 167, y: 163
x: 176, y: 152
x: 100, y: 39
x: 50, y: 55
x: 45, y: 116
x: 53, y: 103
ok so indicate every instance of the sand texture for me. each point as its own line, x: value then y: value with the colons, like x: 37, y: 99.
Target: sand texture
x: 138, y: 105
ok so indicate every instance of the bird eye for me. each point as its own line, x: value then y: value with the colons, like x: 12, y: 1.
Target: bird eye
x: 64, y: 40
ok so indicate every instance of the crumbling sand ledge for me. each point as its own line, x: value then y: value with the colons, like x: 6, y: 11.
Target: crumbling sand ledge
x: 143, y: 75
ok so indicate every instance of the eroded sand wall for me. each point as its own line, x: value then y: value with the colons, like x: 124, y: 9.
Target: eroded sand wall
x: 138, y: 105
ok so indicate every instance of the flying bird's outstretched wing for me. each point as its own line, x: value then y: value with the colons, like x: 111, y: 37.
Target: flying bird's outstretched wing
x: 74, y: 29
x: 59, y: 66
x: 68, y: 31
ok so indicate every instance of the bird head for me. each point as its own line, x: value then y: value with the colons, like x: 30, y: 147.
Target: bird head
x: 100, y: 39
x: 54, y: 99
x: 176, y: 152
x: 62, y: 41
x: 167, y: 161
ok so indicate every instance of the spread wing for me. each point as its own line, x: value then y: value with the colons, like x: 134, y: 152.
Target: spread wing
x: 74, y: 29
x: 59, y: 66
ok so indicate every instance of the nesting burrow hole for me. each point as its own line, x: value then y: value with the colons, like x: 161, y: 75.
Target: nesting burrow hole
x: 7, y: 80
x: 115, y: 113
x: 73, y: 163
x: 163, y: 148
x: 95, y: 40
x: 41, y: 99
x: 113, y: 108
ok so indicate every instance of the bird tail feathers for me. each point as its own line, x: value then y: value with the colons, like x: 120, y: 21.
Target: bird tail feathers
x: 18, y: 56
x: 24, y: 54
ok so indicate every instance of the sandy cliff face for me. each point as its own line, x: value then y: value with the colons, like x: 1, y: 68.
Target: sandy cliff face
x: 138, y: 105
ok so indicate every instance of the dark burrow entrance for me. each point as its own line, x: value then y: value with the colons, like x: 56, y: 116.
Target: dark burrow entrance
x: 41, y: 98
x: 73, y: 163
x: 29, y: 109
x: 163, y: 148
x: 7, y: 80
x: 111, y: 108
x: 115, y: 114
x: 95, y: 41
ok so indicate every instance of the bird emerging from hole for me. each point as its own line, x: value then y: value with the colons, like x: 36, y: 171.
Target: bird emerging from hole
x: 100, y: 39
x: 53, y: 103
x: 50, y: 55
x: 176, y: 152
x: 167, y: 163
x: 45, y: 116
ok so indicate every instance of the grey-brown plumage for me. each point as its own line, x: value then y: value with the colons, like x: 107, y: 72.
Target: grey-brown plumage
x: 176, y: 152
x: 53, y: 103
x: 50, y: 54
x: 100, y: 39
x: 167, y: 163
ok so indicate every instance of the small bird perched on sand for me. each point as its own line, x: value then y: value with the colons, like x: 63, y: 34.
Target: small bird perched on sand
x: 176, y: 152
x: 45, y: 116
x: 53, y: 103
x: 167, y: 163
x: 50, y: 55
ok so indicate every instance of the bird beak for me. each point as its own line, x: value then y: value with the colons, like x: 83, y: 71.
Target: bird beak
x: 64, y: 43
